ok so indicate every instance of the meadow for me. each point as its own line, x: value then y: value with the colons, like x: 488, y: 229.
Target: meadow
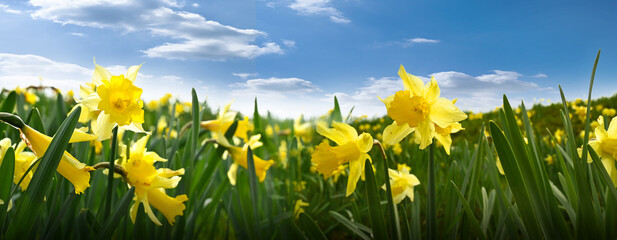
x: 183, y: 170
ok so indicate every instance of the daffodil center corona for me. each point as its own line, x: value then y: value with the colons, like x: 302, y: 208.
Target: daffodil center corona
x: 140, y: 170
x: 419, y: 108
x: 120, y: 104
x: 408, y: 109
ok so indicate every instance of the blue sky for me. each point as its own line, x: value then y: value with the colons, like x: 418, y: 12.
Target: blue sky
x: 295, y: 55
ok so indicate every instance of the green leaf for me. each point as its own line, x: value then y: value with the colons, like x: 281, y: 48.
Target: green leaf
x: 431, y: 210
x: 474, y: 221
x: 336, y: 112
x: 122, y: 209
x: 253, y: 188
x: 8, y: 104
x: 139, y: 229
x: 60, y: 216
x: 6, y: 180
x: 374, y: 204
x: 34, y: 120
x: 110, y: 176
x: 257, y: 119
x: 604, y: 175
x: 350, y: 225
x: 515, y: 180
x: 310, y: 228
x: 41, y: 182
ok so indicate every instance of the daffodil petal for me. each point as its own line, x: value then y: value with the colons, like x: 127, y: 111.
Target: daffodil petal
x: 348, y: 131
x: 131, y: 73
x: 426, y: 130
x: 170, y: 207
x: 612, y: 127
x: 355, y: 170
x: 103, y: 127
x: 80, y: 136
x: 100, y: 74
x: 394, y: 133
x: 446, y: 141
x: 331, y: 133
x: 232, y: 173
x: 411, y: 82
x: 364, y: 142
x: 444, y: 113
x: 432, y: 91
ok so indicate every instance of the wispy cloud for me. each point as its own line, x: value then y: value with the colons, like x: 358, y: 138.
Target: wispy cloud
x: 192, y: 35
x: 244, y: 75
x: 540, y: 75
x: 5, y: 8
x: 319, y: 7
x: 277, y: 85
x: 78, y: 34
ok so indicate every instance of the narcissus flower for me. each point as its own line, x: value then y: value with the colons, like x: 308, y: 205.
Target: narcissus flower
x: 605, y: 145
x: 116, y: 101
x: 303, y: 131
x: 401, y: 183
x: 299, y: 207
x: 418, y: 108
x: 239, y: 156
x: 224, y: 120
x: 69, y: 167
x: 352, y: 148
x: 23, y: 160
x: 150, y: 183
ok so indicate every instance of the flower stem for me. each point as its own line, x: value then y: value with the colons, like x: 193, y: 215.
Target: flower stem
x: 394, y: 223
x: 110, y: 178
x: 431, y: 219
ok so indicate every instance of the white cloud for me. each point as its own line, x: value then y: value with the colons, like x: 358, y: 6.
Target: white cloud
x: 540, y: 75
x: 289, y: 43
x: 319, y: 7
x: 78, y: 34
x: 195, y: 5
x: 277, y: 85
x: 192, y: 35
x: 244, y: 75
x: 422, y: 40
x: 173, y: 79
x: 7, y: 9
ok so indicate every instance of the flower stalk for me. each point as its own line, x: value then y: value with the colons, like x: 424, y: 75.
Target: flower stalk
x: 431, y: 214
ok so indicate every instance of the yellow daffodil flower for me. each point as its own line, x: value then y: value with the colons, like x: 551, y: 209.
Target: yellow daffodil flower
x: 23, y: 160
x: 499, y: 166
x: 115, y: 101
x: 352, y: 148
x: 443, y: 134
x: 605, y: 145
x: 224, y: 120
x: 150, y: 183
x: 283, y: 153
x: 303, y: 131
x: 239, y: 156
x: 402, y: 183
x: 69, y: 167
x: 418, y: 108
x: 299, y: 207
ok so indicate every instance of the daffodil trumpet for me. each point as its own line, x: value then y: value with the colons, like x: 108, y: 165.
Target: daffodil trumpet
x: 69, y: 167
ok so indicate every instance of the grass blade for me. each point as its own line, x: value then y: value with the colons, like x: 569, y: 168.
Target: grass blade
x: 378, y: 225
x: 310, y: 228
x: 474, y: 221
x: 41, y: 181
x: 110, y: 224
